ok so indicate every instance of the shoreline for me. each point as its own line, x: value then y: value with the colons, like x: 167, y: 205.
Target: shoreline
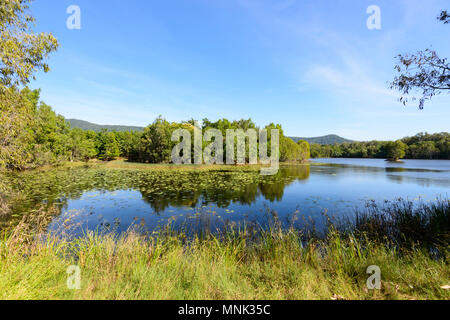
x: 277, y: 267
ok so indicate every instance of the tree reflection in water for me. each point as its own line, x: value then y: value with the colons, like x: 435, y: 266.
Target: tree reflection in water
x: 271, y: 189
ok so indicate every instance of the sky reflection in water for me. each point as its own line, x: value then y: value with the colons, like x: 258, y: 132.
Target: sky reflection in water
x: 337, y: 188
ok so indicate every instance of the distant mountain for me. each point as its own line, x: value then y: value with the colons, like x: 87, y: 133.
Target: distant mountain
x: 330, y: 139
x: 85, y: 125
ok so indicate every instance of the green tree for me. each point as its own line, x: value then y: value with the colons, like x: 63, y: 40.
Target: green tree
x: 316, y: 151
x: 129, y: 144
x: 112, y: 150
x: 423, y: 150
x: 15, y: 135
x: 424, y: 72
x: 51, y: 136
x: 107, y: 145
x: 304, y: 150
x: 395, y: 150
x: 156, y: 141
x: 23, y: 52
x: 289, y: 150
x: 81, y: 145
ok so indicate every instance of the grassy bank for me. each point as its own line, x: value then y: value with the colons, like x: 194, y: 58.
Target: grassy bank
x: 235, y: 264
x: 407, y: 241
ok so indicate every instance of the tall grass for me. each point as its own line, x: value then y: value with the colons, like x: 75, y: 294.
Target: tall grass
x: 407, y: 223
x: 246, y: 263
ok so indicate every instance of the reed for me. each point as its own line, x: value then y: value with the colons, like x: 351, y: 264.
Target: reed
x: 237, y: 263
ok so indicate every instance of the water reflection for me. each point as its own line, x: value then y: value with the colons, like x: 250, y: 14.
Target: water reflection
x: 93, y: 198
x: 271, y: 190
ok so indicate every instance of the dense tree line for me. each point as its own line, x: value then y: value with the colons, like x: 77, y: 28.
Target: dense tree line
x: 154, y: 144
x: 420, y: 146
x: 32, y: 135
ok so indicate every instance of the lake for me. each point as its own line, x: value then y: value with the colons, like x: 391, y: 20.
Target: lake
x: 108, y: 200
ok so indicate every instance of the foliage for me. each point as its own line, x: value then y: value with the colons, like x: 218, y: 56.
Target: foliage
x: 22, y: 54
x: 420, y: 146
x: 85, y: 125
x: 304, y: 150
x: 129, y: 144
x: 32, y: 135
x: 395, y: 150
x: 294, y: 152
x: 81, y: 145
x: 238, y: 263
x: 424, y: 150
x: 22, y: 51
x: 424, y: 71
x: 51, y: 136
x: 156, y: 141
x: 18, y: 115
x: 107, y: 146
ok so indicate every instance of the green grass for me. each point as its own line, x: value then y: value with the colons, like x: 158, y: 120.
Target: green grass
x: 233, y: 265
x: 123, y: 164
x: 409, y: 244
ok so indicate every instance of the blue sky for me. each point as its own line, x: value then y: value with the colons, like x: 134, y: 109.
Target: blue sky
x: 311, y: 65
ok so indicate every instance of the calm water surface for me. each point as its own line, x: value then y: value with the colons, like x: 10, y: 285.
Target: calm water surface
x: 335, y: 186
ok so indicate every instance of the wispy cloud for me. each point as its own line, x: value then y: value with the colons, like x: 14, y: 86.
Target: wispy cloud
x: 110, y: 89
